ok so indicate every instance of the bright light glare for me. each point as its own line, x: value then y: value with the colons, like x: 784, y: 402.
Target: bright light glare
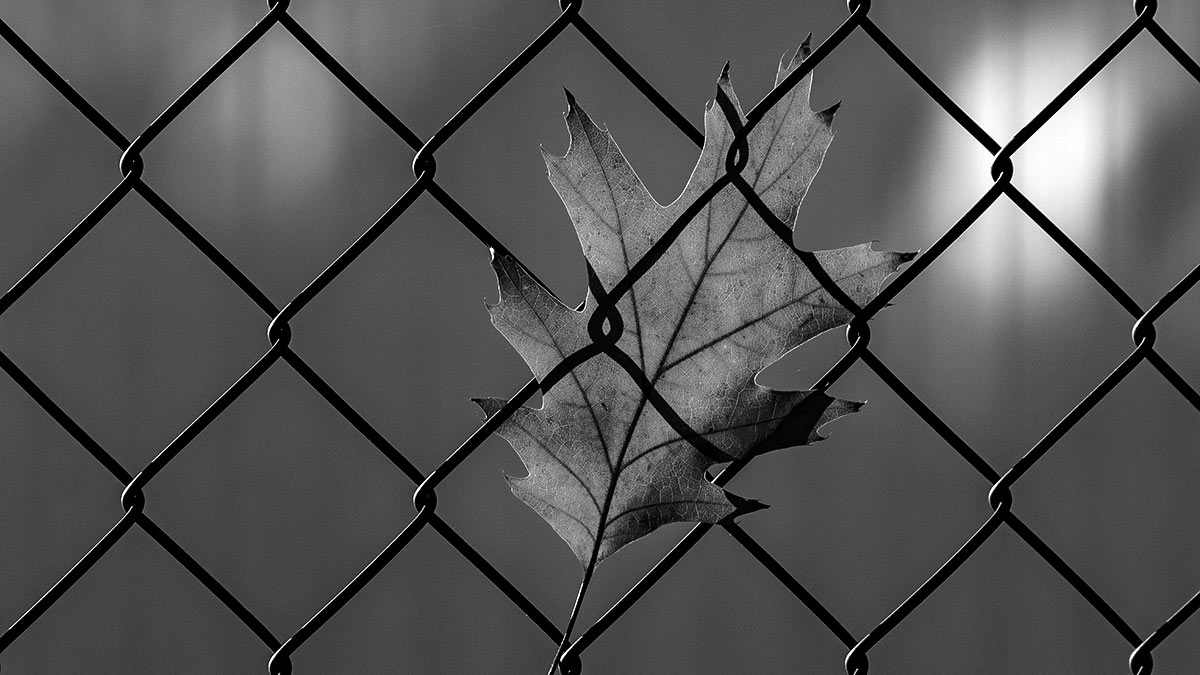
x: 1013, y: 73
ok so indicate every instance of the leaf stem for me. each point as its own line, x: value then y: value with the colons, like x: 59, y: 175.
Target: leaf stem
x: 583, y: 586
x: 604, y: 511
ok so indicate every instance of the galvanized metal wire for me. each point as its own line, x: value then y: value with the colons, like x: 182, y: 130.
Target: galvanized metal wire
x: 999, y: 481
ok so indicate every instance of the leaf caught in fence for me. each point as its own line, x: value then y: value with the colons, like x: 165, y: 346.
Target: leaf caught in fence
x: 607, y: 463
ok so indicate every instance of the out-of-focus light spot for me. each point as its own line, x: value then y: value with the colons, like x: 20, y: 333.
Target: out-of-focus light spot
x: 1020, y: 64
x: 300, y: 119
x: 24, y: 101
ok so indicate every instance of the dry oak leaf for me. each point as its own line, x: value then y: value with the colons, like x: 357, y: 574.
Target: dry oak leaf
x: 728, y: 298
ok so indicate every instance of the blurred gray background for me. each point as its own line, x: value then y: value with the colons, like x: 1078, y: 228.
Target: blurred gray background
x: 134, y: 333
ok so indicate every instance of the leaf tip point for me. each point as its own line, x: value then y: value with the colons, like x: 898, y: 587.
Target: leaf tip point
x: 482, y: 403
x: 488, y: 405
x: 802, y: 51
x: 742, y: 506
x: 827, y: 114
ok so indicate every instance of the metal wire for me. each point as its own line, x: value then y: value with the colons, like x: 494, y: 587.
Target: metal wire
x: 425, y: 497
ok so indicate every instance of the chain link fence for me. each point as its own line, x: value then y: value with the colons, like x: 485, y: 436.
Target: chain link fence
x: 573, y: 17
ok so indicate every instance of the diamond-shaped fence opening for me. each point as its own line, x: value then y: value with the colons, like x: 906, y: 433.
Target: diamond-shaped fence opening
x: 154, y: 400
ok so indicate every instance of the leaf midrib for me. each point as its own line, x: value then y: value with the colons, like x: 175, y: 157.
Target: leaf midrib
x: 618, y: 467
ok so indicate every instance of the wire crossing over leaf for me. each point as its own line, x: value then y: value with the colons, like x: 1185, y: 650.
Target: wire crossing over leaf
x: 606, y: 465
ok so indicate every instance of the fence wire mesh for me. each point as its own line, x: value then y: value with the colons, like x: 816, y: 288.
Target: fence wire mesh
x: 283, y: 647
